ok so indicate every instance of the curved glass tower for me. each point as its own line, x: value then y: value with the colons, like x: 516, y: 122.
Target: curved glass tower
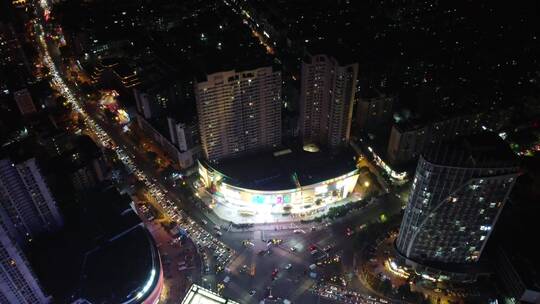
x: 458, y: 192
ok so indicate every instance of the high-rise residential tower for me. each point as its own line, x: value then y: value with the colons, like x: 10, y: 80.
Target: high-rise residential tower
x: 18, y: 283
x: 27, y: 207
x: 239, y: 112
x: 326, y: 100
x: 458, y: 192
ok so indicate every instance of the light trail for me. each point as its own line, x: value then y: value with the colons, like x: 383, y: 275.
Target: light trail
x: 105, y: 140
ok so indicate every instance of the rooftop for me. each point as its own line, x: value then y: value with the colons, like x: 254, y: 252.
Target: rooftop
x: 119, y: 269
x: 200, y: 295
x: 476, y: 151
x: 339, y: 51
x: 267, y: 172
x: 104, y: 254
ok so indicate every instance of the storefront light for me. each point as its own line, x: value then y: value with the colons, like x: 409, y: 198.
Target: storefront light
x: 321, y: 189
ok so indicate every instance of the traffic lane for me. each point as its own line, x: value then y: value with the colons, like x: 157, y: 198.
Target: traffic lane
x: 150, y: 171
x: 285, y: 282
x: 264, y: 264
x: 176, y: 196
x: 104, y: 138
x: 127, y: 144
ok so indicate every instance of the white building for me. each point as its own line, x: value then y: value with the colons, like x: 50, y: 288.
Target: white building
x: 199, y: 295
x: 326, y: 100
x: 239, y: 112
x: 28, y: 207
x: 18, y: 283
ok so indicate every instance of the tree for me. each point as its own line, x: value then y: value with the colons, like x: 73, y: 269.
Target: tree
x: 405, y: 293
x: 386, y: 286
x: 167, y: 172
x: 151, y: 155
x: 425, y: 300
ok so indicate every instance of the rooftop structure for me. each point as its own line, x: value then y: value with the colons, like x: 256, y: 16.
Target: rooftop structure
x: 108, y: 256
x: 286, y: 169
x: 199, y: 295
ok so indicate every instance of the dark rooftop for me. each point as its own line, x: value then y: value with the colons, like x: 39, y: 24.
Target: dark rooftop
x: 339, y: 51
x: 20, y: 151
x: 117, y: 270
x: 105, y: 255
x: 271, y: 173
x: 108, y: 216
x: 476, y: 151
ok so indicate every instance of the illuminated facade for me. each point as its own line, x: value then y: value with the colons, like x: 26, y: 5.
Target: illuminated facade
x: 298, y: 202
x: 199, y: 295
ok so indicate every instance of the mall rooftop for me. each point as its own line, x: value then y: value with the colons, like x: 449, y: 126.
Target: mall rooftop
x: 285, y: 169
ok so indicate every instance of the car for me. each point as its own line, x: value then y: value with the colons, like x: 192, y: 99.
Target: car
x: 349, y: 231
x: 328, y: 248
x: 298, y: 231
x: 218, y: 233
x: 312, y: 247
x: 252, y: 292
x: 288, y: 266
x: 293, y: 249
x: 244, y: 269
x: 247, y: 243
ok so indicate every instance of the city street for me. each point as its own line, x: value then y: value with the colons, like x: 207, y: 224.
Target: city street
x: 260, y: 269
x: 294, y: 283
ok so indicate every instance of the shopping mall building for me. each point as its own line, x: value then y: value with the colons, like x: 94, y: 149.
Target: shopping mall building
x: 281, y: 186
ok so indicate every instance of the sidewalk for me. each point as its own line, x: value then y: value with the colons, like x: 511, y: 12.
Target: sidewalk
x: 279, y: 226
x: 176, y: 281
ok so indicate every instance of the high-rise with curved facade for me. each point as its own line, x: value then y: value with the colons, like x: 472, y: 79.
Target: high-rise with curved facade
x: 458, y: 192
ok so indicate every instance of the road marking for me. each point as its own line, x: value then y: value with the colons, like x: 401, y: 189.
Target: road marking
x: 301, y: 289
